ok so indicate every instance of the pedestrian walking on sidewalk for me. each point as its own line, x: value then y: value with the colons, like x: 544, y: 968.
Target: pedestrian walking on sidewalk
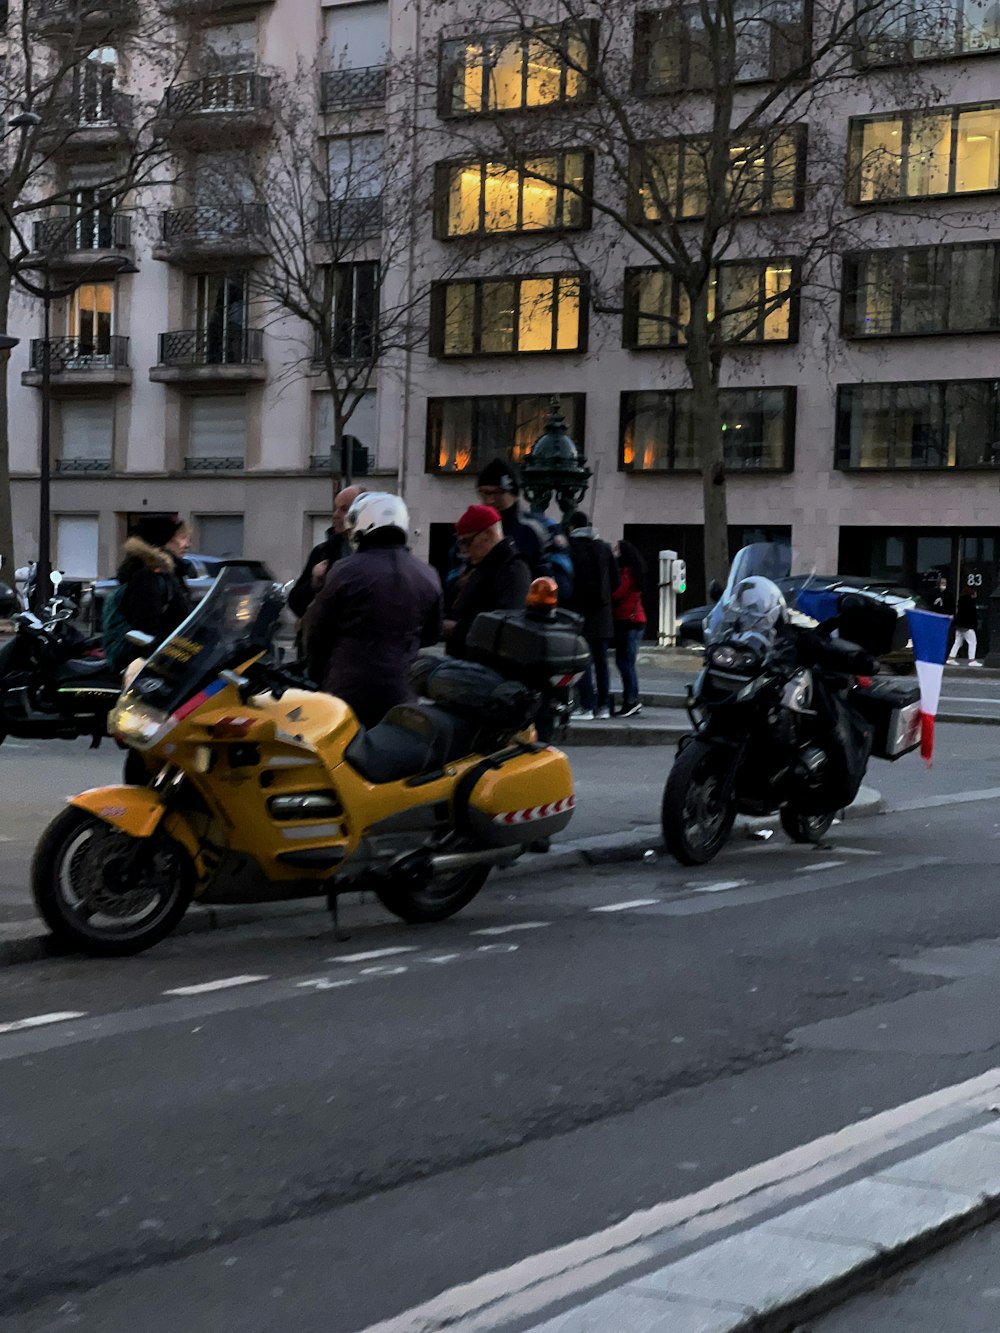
x: 966, y: 624
x: 595, y: 577
x: 629, y: 617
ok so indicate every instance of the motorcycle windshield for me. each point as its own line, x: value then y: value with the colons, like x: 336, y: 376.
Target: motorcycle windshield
x: 769, y: 560
x: 235, y: 621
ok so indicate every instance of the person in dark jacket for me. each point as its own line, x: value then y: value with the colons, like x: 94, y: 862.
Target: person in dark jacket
x: 630, y: 623
x: 321, y: 557
x: 498, y: 577
x: 595, y: 576
x: 376, y: 610
x: 539, y: 539
x: 156, y: 598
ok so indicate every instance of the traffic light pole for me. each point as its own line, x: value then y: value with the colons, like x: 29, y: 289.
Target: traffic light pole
x: 672, y: 582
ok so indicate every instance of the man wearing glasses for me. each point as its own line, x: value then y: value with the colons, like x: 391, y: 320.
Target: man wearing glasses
x: 498, y: 577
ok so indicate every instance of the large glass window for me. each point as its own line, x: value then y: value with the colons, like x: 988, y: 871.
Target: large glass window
x: 90, y: 317
x: 764, y: 176
x: 538, y: 194
x: 503, y: 316
x: 930, y: 289
x: 356, y: 167
x: 897, y: 34
x: 918, y: 154
x: 221, y: 311
x: 354, y: 310
x: 931, y: 424
x: 463, y: 434
x: 659, y: 432
x: 516, y: 71
x: 754, y: 299
x: 96, y: 79
x: 766, y: 40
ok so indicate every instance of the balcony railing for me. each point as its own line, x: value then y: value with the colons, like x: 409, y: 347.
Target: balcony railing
x: 361, y: 461
x: 90, y: 231
x: 79, y: 354
x: 344, y: 222
x: 200, y: 347
x: 68, y: 15
x: 83, y: 465
x: 229, y: 94
x: 81, y: 113
x: 214, y: 222
x: 222, y: 463
x: 353, y: 87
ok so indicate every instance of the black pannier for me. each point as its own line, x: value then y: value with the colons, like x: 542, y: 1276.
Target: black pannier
x: 892, y: 706
x: 474, y: 691
x: 535, y: 649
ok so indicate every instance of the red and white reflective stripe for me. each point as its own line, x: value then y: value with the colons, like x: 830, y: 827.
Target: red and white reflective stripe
x: 561, y: 682
x: 535, y: 812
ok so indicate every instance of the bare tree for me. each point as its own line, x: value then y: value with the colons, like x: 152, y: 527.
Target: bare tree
x: 64, y: 103
x: 683, y: 131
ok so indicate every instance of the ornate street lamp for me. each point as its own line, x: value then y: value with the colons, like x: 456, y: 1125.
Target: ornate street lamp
x: 555, y: 467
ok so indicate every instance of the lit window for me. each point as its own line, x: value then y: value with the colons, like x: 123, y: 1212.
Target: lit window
x: 755, y: 300
x: 502, y: 316
x: 922, y: 289
x: 913, y: 154
x: 515, y: 71
x: 540, y: 194
x: 659, y: 430
x: 463, y: 434
x: 894, y: 34
x: 763, y: 177
x: 90, y: 317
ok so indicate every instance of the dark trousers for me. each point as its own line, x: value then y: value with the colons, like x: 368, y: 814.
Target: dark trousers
x: 627, y: 640
x: 591, y: 698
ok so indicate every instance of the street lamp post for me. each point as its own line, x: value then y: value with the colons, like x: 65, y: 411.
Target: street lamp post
x: 555, y: 467
x: 110, y: 266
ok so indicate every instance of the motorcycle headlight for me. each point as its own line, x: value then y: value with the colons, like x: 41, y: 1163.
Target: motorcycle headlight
x: 731, y: 657
x: 135, y: 722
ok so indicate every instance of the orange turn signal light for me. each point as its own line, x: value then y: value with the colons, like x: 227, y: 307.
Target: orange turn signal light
x: 542, y: 593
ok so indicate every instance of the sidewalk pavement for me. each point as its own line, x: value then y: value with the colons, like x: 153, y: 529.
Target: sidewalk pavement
x: 766, y: 1249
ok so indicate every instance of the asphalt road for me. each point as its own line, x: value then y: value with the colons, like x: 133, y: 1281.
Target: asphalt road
x: 270, y: 1129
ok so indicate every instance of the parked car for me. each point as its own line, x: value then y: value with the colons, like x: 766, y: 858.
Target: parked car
x: 691, y: 625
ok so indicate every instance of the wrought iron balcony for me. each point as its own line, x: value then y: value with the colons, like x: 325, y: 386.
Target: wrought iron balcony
x: 343, y: 223
x: 66, y: 17
x: 206, y: 231
x: 222, y: 463
x: 78, y: 361
x: 82, y: 466
x: 83, y: 235
x: 210, y: 354
x: 206, y: 8
x: 192, y: 112
x: 342, y: 88
x: 83, y: 122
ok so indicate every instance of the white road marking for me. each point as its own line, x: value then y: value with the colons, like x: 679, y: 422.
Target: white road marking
x: 955, y: 798
x: 507, y: 930
x: 624, y: 907
x: 819, y: 865
x: 372, y: 953
x: 439, y: 958
x: 224, y: 983
x: 326, y: 983
x: 383, y: 970
x: 40, y: 1021
x: 858, y: 851
x: 720, y: 886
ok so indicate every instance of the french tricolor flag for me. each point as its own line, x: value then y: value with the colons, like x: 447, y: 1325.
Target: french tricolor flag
x: 929, y: 632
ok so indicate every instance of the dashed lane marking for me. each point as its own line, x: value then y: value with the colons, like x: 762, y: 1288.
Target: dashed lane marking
x: 507, y: 930
x: 624, y: 907
x: 40, y: 1021
x: 224, y: 983
x: 720, y: 886
x: 820, y: 865
x: 369, y: 954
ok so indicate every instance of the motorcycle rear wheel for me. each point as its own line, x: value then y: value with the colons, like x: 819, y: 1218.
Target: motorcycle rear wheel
x: 806, y: 828
x: 695, y: 815
x: 435, y: 901
x: 80, y: 904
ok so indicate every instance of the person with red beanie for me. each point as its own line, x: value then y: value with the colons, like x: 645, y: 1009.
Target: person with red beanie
x: 498, y: 578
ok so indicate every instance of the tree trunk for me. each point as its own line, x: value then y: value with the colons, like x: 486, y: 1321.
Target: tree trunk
x: 6, y: 514
x: 707, y: 417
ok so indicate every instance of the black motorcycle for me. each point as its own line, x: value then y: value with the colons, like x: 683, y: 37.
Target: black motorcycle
x: 49, y: 688
x: 786, y: 716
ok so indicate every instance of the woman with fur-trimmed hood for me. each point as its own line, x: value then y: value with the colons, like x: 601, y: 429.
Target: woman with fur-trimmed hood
x: 156, y: 598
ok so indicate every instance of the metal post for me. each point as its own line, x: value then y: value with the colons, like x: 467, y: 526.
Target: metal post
x: 44, y: 565
x: 668, y: 600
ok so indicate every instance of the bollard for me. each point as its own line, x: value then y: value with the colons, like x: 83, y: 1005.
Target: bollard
x: 668, y: 601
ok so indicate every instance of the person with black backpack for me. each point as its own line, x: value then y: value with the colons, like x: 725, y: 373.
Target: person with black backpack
x: 151, y: 596
x: 595, y: 577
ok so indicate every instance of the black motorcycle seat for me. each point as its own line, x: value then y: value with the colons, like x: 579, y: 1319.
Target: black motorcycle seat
x: 82, y: 668
x: 411, y: 739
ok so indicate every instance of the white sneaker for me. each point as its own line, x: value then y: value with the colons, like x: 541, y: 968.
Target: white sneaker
x: 581, y: 715
x: 972, y: 662
x: 602, y: 714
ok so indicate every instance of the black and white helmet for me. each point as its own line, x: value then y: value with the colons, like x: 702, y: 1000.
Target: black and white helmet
x: 374, y: 510
x: 756, y: 605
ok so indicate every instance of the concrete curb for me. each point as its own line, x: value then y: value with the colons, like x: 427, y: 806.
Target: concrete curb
x: 27, y: 942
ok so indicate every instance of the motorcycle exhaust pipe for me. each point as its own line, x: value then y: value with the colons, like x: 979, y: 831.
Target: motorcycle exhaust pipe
x: 450, y: 862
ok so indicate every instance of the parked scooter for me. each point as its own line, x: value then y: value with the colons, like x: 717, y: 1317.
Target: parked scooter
x: 263, y: 790
x: 786, y: 713
x: 51, y: 684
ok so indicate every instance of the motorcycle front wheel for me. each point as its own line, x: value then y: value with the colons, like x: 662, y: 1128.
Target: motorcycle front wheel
x: 806, y: 828
x: 83, y: 904
x: 697, y: 814
x: 441, y: 898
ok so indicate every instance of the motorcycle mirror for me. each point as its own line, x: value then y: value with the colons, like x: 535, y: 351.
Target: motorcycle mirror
x: 715, y: 590
x: 55, y: 578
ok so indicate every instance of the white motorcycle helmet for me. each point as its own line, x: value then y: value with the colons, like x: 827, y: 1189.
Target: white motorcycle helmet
x: 756, y: 605
x: 374, y: 510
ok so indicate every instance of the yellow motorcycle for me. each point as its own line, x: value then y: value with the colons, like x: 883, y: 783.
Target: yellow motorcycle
x: 263, y: 790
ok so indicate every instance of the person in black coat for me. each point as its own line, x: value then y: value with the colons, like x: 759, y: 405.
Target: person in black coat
x: 335, y: 547
x: 498, y: 576
x: 376, y: 610
x: 595, y: 577
x: 156, y: 598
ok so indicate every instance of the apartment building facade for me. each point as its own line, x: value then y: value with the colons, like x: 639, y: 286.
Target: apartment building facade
x: 862, y: 414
